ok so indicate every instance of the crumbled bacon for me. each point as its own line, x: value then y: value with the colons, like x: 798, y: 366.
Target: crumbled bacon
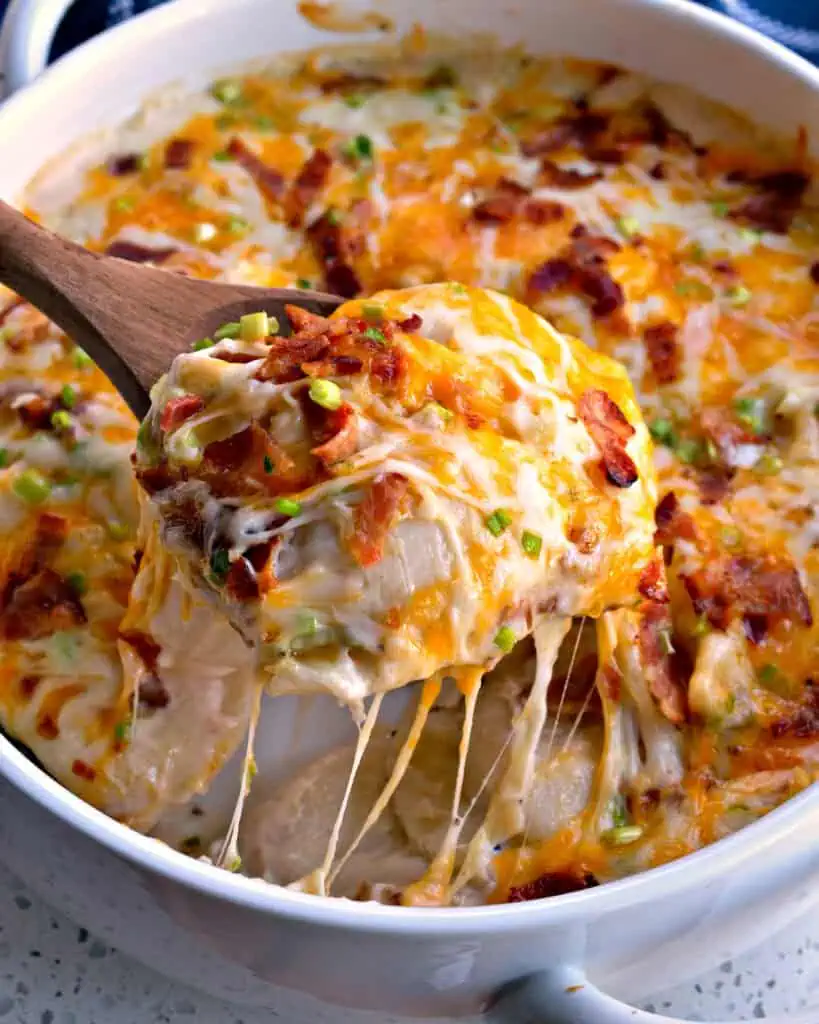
x: 375, y: 516
x: 43, y: 604
x: 350, y: 83
x: 662, y: 677
x: 154, y: 479
x: 123, y: 163
x: 242, y: 464
x: 152, y: 693
x: 341, y: 279
x: 135, y: 253
x: 241, y: 582
x: 652, y: 583
x: 581, y: 264
x: 548, y: 141
x: 336, y: 242
x: 147, y: 649
x: 672, y: 522
x: 714, y: 483
x: 748, y: 585
x: 509, y: 199
x: 554, y: 883
x: 663, y: 351
x: 566, y: 177
x: 411, y: 324
x: 36, y: 410
x: 610, y: 431
x: 813, y: 272
x: 180, y: 409
x: 776, y: 203
x: 342, y: 427
x: 543, y: 211
x: 268, y: 180
x: 310, y: 180
x: 179, y: 153
x: 83, y: 770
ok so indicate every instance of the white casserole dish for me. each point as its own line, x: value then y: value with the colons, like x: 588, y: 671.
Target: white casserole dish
x: 242, y: 939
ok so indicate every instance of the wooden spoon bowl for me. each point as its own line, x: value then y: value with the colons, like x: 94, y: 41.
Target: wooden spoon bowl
x: 131, y: 319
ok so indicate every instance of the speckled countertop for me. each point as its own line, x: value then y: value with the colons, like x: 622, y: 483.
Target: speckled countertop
x: 53, y: 972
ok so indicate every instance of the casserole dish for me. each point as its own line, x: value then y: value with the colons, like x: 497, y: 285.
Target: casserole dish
x: 240, y: 938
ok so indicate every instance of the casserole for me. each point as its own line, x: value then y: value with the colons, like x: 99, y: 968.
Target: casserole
x: 421, y: 963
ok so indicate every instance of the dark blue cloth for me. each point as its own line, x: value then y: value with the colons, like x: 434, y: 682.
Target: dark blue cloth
x: 792, y: 22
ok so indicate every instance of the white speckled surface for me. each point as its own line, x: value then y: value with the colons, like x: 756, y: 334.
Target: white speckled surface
x: 52, y: 972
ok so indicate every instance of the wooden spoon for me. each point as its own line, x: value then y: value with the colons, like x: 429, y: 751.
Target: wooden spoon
x: 131, y: 319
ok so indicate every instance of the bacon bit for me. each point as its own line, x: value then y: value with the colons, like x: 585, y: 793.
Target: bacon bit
x: 47, y: 728
x: 803, y: 724
x: 154, y: 479
x: 83, y: 770
x: 663, y: 351
x: 672, y: 522
x: 342, y: 426
x: 179, y: 153
x: 389, y: 367
x: 124, y: 163
x: 235, y: 466
x: 268, y: 180
x: 147, y: 649
x: 612, y: 155
x: 565, y: 177
x: 543, y: 211
x: 152, y: 693
x: 286, y: 355
x: 813, y: 272
x: 610, y: 430
x: 780, y: 196
x: 310, y: 180
x: 180, y: 409
x: 336, y: 243
x: 581, y: 264
x: 411, y: 324
x: 375, y: 517
x: 658, y: 171
x: 584, y: 536
x: 714, y: 483
x: 663, y: 681
x: 135, y: 253
x: 720, y: 425
x: 748, y: 585
x: 28, y: 686
x: 36, y: 411
x: 241, y: 582
x: 44, y: 604
x: 755, y: 628
x: 347, y: 83
x: 554, y: 883
x: 652, y: 584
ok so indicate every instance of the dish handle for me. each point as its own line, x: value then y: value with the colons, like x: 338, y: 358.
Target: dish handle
x: 25, y: 40
x: 566, y: 996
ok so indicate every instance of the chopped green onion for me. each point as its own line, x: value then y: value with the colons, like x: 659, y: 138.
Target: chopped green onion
x: 124, y: 204
x: 769, y: 464
x: 531, y: 543
x: 31, y: 487
x: 122, y: 731
x: 288, y: 507
x: 227, y: 90
x: 372, y: 312
x: 264, y: 123
x: 81, y: 359
x: 254, y: 326
x: 204, y: 232
x: 663, y: 432
x: 355, y: 100
x: 619, y: 811
x: 268, y: 465
x: 374, y: 334
x: 302, y: 282
x: 738, y: 295
x: 752, y: 413
x: 307, y: 624
x: 506, y: 639
x: 628, y: 226
x: 730, y: 536
x: 5, y: 458
x: 68, y: 396
x: 236, y: 225
x: 720, y: 208
x: 191, y: 845
x: 61, y: 420
x: 498, y: 521
x: 334, y: 217
x: 230, y: 330
x: 445, y: 414
x: 359, y: 148
x: 223, y: 156
x: 325, y: 393
x: 698, y: 252
x: 684, y: 287
x: 118, y: 530
x: 202, y: 344
x: 711, y: 450
x: 225, y: 121
x: 750, y: 234
x: 220, y: 563
x: 768, y: 673
x: 234, y: 864
x: 689, y: 451
x: 77, y: 582
x: 622, y: 835
x: 702, y: 627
